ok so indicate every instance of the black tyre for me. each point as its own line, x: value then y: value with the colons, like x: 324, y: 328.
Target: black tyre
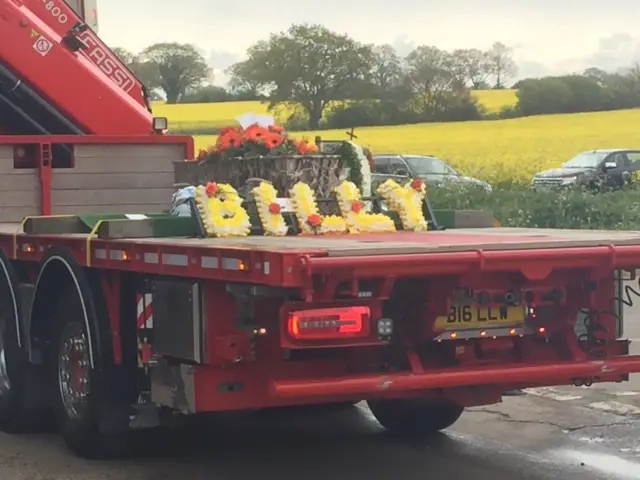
x: 15, y: 417
x: 73, y: 382
x: 414, y: 417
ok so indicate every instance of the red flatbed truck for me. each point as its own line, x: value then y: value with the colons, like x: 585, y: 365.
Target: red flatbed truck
x: 112, y: 324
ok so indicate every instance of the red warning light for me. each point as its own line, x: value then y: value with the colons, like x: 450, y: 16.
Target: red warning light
x: 329, y: 323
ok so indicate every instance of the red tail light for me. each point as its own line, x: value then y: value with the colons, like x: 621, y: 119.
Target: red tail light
x: 329, y: 323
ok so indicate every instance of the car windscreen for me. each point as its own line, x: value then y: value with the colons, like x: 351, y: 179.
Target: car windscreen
x: 585, y: 160
x: 428, y: 166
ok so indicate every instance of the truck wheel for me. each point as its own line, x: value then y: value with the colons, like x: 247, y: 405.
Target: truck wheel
x: 413, y: 417
x: 72, y: 379
x: 14, y: 417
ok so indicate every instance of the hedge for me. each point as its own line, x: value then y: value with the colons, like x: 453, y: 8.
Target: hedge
x: 521, y: 206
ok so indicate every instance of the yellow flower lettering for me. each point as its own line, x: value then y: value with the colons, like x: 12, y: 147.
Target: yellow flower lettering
x: 310, y: 221
x: 352, y: 210
x: 272, y: 221
x: 221, y: 211
x: 407, y: 201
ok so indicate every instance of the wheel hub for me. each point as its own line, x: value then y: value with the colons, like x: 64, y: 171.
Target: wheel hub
x: 74, y: 370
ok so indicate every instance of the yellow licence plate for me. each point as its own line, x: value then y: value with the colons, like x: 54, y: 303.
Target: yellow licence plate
x: 469, y: 316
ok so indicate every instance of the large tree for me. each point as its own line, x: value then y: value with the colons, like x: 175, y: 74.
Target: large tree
x: 501, y: 64
x: 431, y: 77
x: 308, y: 65
x: 146, y: 72
x: 242, y: 81
x: 473, y: 66
x: 125, y: 56
x: 180, y: 67
x: 386, y: 70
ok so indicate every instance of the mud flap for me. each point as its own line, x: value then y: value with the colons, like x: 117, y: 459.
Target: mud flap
x: 114, y: 408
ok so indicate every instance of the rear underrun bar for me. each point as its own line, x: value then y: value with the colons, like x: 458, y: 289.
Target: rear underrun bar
x: 508, y: 374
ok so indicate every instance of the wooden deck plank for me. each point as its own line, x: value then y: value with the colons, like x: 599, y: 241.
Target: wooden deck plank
x: 449, y: 241
x: 429, y: 242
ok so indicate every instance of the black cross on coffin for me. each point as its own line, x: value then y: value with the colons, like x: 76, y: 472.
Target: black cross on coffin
x: 351, y: 135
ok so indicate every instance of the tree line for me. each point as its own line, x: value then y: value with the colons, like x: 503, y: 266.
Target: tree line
x: 592, y: 91
x: 333, y: 81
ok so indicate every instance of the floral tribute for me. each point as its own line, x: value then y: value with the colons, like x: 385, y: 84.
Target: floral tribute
x: 272, y: 221
x: 407, y: 202
x: 221, y: 210
x: 352, y: 210
x: 309, y: 219
x: 222, y: 214
x: 255, y: 141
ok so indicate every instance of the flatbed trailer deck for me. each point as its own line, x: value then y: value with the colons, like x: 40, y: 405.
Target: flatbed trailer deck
x: 458, y: 241
x: 291, y: 258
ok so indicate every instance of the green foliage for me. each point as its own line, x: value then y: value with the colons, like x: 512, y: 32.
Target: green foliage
x: 336, y: 82
x: 147, y: 73
x: 350, y: 160
x: 521, y: 206
x: 451, y: 107
x: 591, y: 92
x: 207, y: 94
x: 316, y: 68
x: 308, y: 65
x: 181, y: 67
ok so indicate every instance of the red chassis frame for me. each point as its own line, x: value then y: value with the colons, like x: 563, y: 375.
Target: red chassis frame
x: 557, y: 359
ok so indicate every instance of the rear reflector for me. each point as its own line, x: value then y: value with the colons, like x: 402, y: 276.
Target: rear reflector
x: 329, y: 323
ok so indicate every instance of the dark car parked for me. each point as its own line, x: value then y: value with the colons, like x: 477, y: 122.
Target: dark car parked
x: 431, y: 170
x: 595, y: 168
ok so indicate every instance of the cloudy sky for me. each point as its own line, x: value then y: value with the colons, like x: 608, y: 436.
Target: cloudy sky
x: 548, y: 36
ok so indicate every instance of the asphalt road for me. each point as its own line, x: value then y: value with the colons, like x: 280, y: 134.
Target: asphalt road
x: 531, y: 437
x: 549, y: 433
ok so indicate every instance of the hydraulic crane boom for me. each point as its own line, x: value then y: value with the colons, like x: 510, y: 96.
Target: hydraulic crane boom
x: 51, y: 82
x: 62, y: 16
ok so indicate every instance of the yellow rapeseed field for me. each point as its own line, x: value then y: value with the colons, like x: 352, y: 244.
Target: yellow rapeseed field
x: 204, y: 116
x: 494, y: 100
x: 500, y: 150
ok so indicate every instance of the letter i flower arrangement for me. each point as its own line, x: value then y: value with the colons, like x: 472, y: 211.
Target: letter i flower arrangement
x: 272, y: 221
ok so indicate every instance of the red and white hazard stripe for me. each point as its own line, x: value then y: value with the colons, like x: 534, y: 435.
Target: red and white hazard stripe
x: 145, y: 312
